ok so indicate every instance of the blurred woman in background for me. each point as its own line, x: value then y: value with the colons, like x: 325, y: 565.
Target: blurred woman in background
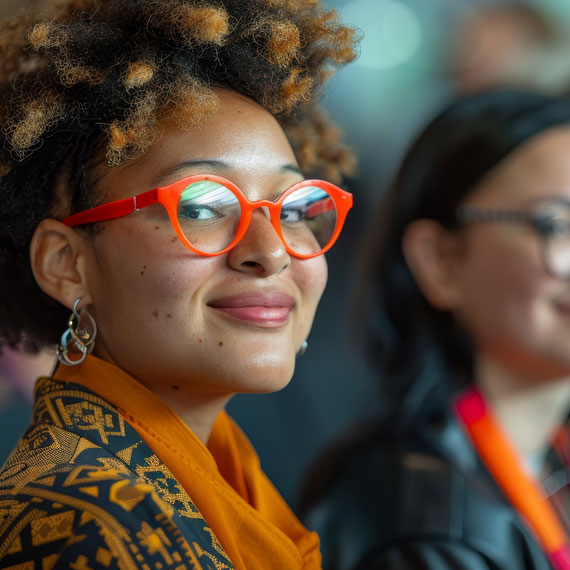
x: 468, y: 298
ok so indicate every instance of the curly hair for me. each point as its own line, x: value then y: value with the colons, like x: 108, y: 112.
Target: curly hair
x: 84, y: 79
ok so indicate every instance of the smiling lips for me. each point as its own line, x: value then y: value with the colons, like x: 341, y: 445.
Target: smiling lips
x: 266, y: 309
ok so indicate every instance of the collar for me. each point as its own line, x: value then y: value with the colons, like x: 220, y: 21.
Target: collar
x: 504, y: 464
x: 225, y: 482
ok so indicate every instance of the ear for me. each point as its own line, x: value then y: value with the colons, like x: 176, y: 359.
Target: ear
x: 57, y: 256
x: 431, y: 253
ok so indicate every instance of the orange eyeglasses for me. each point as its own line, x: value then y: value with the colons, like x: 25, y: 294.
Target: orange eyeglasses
x: 210, y: 214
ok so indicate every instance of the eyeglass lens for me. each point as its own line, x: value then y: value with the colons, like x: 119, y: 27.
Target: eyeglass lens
x: 554, y: 223
x: 209, y: 215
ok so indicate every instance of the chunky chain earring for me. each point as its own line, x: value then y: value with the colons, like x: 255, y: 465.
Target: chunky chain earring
x: 78, y: 339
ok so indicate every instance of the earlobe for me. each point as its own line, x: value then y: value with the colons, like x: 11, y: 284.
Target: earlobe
x: 56, y: 252
x: 430, y: 251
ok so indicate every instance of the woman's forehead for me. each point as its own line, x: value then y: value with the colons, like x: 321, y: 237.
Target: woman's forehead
x: 241, y: 138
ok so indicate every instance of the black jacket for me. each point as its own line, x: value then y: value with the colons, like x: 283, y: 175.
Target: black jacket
x: 418, y: 500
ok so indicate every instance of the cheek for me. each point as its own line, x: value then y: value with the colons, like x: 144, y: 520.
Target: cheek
x: 147, y: 277
x: 311, y: 277
x: 504, y: 289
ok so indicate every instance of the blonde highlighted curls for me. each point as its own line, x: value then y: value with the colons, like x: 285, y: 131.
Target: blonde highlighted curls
x: 46, y: 35
x: 284, y: 43
x: 138, y: 74
x: 203, y: 24
x: 131, y: 138
x: 318, y: 146
x: 36, y: 117
x: 194, y: 23
x: 171, y: 52
x: 192, y: 103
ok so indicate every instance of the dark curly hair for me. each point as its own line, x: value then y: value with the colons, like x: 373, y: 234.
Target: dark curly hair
x: 87, y: 79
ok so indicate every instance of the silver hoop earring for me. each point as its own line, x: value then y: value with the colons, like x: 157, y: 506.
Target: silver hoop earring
x: 78, y: 340
x: 303, y: 348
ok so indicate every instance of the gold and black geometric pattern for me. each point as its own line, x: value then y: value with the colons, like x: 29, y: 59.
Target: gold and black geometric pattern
x: 83, y: 491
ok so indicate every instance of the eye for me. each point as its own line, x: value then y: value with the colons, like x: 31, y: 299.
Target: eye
x: 554, y: 222
x: 198, y: 212
x: 558, y: 226
x: 205, y: 201
x: 291, y: 215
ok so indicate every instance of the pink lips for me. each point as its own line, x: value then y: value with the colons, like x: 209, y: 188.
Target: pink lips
x: 265, y: 309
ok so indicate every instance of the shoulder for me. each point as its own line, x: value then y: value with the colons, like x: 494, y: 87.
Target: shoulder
x: 423, y: 489
x: 65, y: 499
x: 89, y: 514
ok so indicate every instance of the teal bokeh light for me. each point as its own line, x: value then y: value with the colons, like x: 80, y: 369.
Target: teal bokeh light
x: 392, y: 33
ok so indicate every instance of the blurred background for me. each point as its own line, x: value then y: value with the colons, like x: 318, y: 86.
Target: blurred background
x: 415, y: 56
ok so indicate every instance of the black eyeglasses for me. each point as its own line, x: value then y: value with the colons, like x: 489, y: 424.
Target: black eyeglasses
x: 551, y: 222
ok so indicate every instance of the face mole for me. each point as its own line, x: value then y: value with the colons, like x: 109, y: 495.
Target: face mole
x: 220, y: 343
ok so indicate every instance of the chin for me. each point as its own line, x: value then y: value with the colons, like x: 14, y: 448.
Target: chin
x: 264, y: 389
x: 265, y: 375
x: 546, y: 369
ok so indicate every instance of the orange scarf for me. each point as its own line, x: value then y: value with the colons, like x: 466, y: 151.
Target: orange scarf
x: 256, y: 528
x: 504, y: 464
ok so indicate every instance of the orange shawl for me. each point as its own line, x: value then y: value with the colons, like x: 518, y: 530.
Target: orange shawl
x: 256, y: 528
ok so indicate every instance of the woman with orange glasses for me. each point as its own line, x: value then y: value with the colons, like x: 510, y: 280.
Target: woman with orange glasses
x: 469, y: 306
x: 163, y: 223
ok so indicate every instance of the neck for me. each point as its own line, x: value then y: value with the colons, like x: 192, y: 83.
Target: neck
x: 198, y: 408
x: 529, y: 410
x: 199, y: 414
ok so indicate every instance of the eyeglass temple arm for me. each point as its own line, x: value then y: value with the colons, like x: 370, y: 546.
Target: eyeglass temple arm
x: 328, y: 204
x: 320, y: 207
x: 474, y: 214
x: 112, y: 210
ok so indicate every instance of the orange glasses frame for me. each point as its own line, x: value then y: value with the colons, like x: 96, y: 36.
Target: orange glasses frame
x: 169, y: 195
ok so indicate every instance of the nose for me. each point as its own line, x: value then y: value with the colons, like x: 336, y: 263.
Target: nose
x: 261, y: 250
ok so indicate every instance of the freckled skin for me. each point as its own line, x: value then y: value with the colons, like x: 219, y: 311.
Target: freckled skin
x: 257, y: 157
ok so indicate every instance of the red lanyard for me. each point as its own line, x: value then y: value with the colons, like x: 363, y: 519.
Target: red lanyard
x: 522, y: 490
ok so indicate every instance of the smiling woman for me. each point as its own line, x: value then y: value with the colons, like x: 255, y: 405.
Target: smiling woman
x: 165, y: 148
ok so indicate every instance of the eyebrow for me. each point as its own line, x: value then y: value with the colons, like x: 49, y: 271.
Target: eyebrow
x: 215, y: 165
